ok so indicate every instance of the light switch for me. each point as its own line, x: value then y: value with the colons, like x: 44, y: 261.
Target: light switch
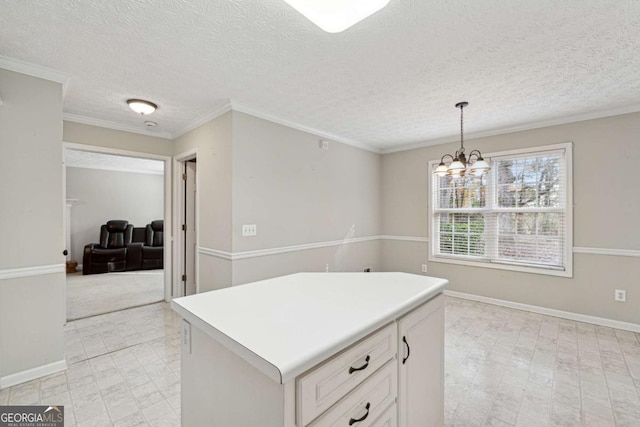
x: 249, y: 230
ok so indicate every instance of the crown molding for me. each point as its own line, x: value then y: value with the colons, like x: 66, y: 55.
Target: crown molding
x: 76, y: 118
x: 34, y: 70
x: 535, y: 125
x: 261, y: 115
x: 213, y: 114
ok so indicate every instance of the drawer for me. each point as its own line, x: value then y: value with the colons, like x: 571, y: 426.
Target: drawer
x: 388, y: 419
x: 365, y: 405
x: 323, y: 386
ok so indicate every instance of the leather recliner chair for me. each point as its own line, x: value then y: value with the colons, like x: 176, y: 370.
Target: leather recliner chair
x: 111, y: 253
x: 153, y: 249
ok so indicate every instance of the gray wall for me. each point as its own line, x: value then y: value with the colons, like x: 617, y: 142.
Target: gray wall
x: 213, y: 142
x: 252, y: 171
x: 102, y: 137
x: 297, y: 194
x: 103, y: 195
x: 32, y: 309
x: 606, y: 154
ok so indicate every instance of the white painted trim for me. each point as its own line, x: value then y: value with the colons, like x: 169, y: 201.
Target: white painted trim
x: 287, y: 249
x: 293, y: 125
x: 404, y: 238
x: 116, y: 151
x: 604, y: 251
x: 216, y: 253
x: 168, y: 211
x: 117, y: 169
x: 178, y: 213
x: 234, y: 256
x: 34, y: 70
x: 207, y: 117
x: 76, y: 118
x: 32, y: 374
x: 535, y: 125
x: 39, y: 270
x: 601, y: 321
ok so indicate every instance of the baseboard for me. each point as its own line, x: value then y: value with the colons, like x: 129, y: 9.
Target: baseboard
x: 601, y: 321
x: 32, y: 374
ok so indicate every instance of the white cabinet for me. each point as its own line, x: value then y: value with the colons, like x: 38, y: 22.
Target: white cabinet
x: 319, y: 355
x: 421, y: 366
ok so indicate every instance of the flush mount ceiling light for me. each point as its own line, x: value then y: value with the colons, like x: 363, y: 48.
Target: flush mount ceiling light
x: 141, y: 106
x: 460, y: 165
x: 334, y: 16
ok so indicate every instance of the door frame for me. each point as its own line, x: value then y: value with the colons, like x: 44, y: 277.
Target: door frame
x: 178, y: 218
x: 168, y: 213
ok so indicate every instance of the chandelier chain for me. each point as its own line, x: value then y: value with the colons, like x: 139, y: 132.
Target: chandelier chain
x: 462, y: 128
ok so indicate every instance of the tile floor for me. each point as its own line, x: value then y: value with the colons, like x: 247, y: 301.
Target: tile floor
x: 503, y: 367
x: 123, y: 370
x: 506, y: 367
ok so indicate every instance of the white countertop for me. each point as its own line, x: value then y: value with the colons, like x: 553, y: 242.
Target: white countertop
x: 287, y: 325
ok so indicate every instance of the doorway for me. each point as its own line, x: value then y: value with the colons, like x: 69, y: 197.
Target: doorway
x: 186, y: 215
x: 104, y: 185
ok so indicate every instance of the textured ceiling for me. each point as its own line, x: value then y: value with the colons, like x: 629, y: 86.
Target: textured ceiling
x: 91, y: 160
x: 392, y: 80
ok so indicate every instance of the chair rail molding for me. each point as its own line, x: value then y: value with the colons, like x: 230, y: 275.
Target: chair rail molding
x: 38, y: 270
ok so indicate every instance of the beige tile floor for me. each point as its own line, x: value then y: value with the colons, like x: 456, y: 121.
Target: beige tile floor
x: 506, y: 367
x: 503, y: 367
x: 123, y: 370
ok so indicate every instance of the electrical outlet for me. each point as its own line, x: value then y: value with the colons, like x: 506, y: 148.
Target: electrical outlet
x: 621, y: 295
x: 186, y: 335
x: 326, y: 268
x: 249, y: 230
x: 424, y: 268
x: 367, y: 270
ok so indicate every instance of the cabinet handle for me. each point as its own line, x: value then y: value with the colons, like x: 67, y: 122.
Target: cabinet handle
x: 352, y: 369
x: 404, y: 359
x: 352, y: 421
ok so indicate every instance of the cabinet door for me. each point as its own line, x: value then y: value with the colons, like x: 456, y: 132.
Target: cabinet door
x: 421, y: 366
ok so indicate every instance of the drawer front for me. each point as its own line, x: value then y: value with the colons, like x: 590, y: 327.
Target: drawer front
x: 388, y: 419
x: 322, y: 387
x: 364, y: 406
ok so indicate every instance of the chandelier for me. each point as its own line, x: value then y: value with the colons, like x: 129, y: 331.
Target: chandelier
x: 460, y: 165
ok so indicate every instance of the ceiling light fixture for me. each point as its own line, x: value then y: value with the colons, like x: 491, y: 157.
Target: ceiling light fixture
x: 141, y: 106
x: 459, y: 165
x: 334, y: 16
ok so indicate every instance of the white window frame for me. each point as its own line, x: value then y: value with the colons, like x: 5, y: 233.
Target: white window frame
x: 504, y: 265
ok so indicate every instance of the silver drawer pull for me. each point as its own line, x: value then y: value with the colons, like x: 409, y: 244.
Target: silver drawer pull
x: 352, y: 369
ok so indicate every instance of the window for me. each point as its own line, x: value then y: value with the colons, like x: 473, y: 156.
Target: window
x: 517, y: 217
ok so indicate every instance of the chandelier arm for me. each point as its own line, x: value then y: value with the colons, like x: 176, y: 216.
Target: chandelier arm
x: 442, y: 159
x: 475, y: 153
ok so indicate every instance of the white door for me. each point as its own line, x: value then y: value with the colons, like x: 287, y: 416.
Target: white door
x: 421, y: 366
x: 190, y: 228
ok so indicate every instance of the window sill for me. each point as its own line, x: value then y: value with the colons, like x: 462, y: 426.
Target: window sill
x: 568, y: 273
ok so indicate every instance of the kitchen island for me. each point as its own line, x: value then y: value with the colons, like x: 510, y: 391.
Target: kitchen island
x: 315, y: 349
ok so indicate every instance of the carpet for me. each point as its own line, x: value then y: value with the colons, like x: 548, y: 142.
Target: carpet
x: 103, y: 293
